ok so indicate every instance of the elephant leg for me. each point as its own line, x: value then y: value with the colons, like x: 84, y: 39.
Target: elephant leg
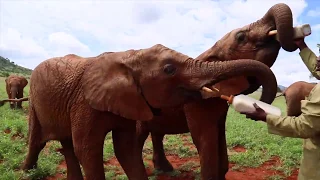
x: 88, y: 134
x: 205, y: 119
x: 35, y: 145
x: 88, y: 148
x: 12, y: 105
x: 19, y: 95
x: 223, y: 152
x: 129, y: 154
x: 73, y: 166
x: 159, y: 158
x: 9, y: 97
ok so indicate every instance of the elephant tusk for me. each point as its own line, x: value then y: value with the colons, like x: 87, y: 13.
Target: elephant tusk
x: 208, y: 90
x: 273, y: 32
x: 208, y: 93
x: 214, y: 88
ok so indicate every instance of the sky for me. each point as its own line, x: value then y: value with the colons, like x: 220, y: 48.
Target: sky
x: 33, y: 31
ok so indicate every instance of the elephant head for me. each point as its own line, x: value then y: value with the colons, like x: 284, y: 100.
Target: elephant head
x: 133, y: 83
x: 15, y: 85
x: 253, y: 42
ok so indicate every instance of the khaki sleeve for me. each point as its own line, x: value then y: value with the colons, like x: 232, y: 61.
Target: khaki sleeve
x: 310, y: 60
x: 305, y: 126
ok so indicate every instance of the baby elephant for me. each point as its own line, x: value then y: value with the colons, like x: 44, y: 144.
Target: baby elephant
x: 78, y: 100
x: 14, y: 87
x: 294, y: 94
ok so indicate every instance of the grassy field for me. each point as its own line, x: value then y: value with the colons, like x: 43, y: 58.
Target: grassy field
x: 253, y: 152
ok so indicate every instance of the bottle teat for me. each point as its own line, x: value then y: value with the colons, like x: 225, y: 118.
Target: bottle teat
x: 228, y: 98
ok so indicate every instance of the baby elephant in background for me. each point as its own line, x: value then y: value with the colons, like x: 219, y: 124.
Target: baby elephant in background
x: 294, y: 94
x: 14, y: 87
x: 78, y: 100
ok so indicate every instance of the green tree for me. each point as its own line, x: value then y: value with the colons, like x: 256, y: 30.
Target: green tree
x: 278, y: 89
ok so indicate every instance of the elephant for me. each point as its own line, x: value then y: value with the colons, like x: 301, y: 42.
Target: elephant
x: 294, y: 94
x: 205, y: 120
x: 78, y: 100
x: 14, y: 87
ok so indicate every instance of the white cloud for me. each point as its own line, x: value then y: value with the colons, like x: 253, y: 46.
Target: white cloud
x: 15, y: 45
x: 88, y: 28
x: 289, y: 68
x: 66, y: 44
x: 314, y: 13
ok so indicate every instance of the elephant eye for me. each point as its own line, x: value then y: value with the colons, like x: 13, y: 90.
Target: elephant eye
x: 169, y: 69
x: 240, y: 36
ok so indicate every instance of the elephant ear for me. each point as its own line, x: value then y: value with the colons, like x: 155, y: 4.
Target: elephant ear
x: 110, y: 86
x: 23, y: 82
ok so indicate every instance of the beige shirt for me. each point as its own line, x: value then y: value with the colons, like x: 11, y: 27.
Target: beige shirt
x: 306, y: 126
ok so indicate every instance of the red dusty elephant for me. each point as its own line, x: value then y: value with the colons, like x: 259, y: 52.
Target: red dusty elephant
x: 294, y: 94
x: 14, y: 87
x: 77, y: 101
x: 206, y: 119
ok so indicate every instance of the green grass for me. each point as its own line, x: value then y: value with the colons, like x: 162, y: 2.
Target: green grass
x: 13, y: 147
x: 260, y: 145
x: 252, y: 135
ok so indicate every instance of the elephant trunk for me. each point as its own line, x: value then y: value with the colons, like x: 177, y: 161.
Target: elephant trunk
x: 13, y: 100
x: 14, y: 92
x: 221, y: 70
x: 281, y: 15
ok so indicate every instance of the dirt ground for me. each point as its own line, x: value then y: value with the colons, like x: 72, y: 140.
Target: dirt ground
x: 260, y: 173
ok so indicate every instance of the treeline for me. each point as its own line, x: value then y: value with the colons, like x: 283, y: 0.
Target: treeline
x: 8, y: 67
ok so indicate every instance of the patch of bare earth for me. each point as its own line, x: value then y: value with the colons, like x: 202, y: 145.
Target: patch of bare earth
x: 260, y: 173
x: 14, y: 136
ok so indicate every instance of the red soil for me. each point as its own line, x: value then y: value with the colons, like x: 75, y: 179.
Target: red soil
x: 58, y: 176
x: 14, y: 136
x: 239, y: 149
x: 259, y: 173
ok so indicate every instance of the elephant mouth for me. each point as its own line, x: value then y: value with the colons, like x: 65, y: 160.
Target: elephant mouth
x: 212, y: 90
x: 209, y: 91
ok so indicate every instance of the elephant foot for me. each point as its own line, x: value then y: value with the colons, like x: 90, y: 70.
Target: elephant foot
x: 12, y: 106
x: 163, y: 165
x: 19, y: 107
x: 27, y: 166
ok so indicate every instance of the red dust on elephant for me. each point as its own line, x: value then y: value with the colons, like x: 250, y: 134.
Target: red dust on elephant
x: 14, y: 87
x: 78, y: 100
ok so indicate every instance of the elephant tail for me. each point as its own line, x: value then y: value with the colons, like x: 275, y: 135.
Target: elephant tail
x: 2, y: 102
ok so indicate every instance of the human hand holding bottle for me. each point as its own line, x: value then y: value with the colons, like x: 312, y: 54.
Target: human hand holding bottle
x: 258, y: 115
x: 300, y: 43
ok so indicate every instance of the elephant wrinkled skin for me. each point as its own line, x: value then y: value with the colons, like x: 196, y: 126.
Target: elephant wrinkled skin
x: 14, y: 87
x: 77, y: 101
x: 294, y: 94
x: 205, y: 119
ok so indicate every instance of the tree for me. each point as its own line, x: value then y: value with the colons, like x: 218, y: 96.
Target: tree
x: 279, y: 89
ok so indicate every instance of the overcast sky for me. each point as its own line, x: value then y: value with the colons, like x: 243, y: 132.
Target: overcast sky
x: 32, y: 31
